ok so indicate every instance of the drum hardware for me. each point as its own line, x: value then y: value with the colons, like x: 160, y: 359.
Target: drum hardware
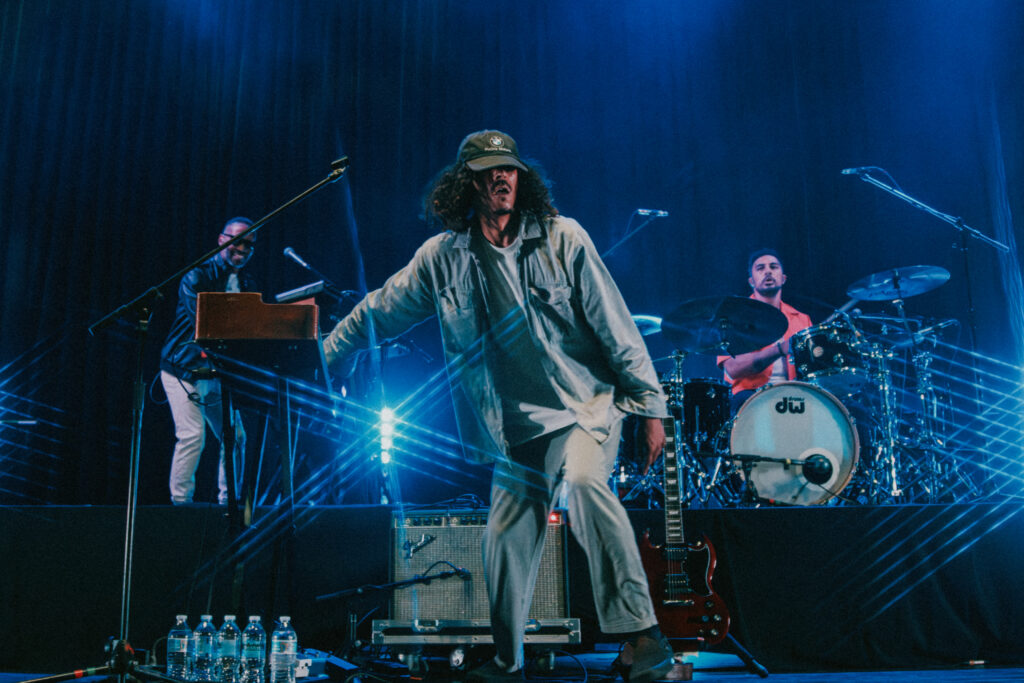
x: 626, y: 481
x: 911, y: 444
x: 700, y: 409
x: 885, y: 471
x: 933, y: 475
x: 639, y: 487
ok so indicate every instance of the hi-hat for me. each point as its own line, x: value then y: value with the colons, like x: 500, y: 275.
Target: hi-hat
x: 724, y: 324
x: 898, y: 283
x: 647, y: 324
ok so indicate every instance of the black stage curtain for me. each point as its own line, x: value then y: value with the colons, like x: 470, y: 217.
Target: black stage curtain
x: 133, y: 129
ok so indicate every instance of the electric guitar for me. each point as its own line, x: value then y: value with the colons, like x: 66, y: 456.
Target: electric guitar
x: 679, y: 574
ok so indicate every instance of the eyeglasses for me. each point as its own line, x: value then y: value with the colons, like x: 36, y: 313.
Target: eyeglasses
x: 248, y: 243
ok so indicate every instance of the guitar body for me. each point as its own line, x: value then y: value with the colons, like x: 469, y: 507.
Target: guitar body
x: 679, y: 573
x: 679, y: 578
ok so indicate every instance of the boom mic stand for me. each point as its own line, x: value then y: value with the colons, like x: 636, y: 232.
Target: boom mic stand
x: 141, y: 309
x: 864, y: 173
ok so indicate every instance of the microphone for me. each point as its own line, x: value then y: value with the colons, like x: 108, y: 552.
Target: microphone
x: 656, y: 213
x: 290, y: 253
x: 918, y: 337
x: 858, y: 170
x: 817, y: 469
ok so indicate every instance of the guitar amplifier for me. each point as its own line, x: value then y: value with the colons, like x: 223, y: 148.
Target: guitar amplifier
x: 431, y: 542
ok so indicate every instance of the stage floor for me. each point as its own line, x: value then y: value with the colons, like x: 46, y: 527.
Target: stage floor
x: 594, y: 667
x: 812, y: 592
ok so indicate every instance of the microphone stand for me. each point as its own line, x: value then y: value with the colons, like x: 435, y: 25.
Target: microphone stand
x: 141, y: 310
x: 965, y: 232
x: 329, y: 287
x: 958, y: 223
x: 631, y: 232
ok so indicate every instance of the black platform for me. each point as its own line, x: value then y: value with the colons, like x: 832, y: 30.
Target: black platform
x: 809, y: 589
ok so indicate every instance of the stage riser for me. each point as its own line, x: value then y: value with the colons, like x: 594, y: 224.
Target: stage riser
x: 808, y: 588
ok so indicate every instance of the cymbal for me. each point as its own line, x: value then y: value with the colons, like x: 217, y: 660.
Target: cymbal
x: 647, y: 324
x: 724, y: 324
x: 898, y: 283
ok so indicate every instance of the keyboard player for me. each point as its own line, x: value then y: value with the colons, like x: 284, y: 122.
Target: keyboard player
x: 195, y: 401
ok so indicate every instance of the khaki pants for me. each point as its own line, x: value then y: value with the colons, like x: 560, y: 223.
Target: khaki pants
x: 190, y: 420
x: 522, y: 495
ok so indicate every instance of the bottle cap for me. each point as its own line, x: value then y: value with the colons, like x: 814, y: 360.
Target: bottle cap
x: 254, y: 617
x: 181, y: 617
x: 229, y: 617
x: 206, y: 617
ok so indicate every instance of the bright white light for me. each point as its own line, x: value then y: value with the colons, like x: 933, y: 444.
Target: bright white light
x: 387, y: 431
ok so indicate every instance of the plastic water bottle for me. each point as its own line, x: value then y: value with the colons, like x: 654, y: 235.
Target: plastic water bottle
x: 284, y: 651
x: 204, y: 669
x: 178, y: 642
x: 254, y: 651
x: 229, y: 643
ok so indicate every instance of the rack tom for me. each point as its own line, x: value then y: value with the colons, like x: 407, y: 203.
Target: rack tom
x: 833, y: 356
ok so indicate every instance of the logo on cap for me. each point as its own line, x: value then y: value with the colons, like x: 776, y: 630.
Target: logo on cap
x: 497, y: 141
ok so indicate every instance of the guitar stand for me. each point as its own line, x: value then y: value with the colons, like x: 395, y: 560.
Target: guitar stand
x: 753, y: 666
x: 684, y: 671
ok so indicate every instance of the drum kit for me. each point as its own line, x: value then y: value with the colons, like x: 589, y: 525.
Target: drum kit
x: 832, y: 436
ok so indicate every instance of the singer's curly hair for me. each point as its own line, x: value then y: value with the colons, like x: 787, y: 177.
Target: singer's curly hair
x: 449, y: 201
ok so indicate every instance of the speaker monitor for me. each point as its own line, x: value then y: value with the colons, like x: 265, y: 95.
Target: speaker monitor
x: 428, y: 543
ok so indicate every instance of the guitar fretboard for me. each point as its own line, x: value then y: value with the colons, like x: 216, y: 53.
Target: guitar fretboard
x: 673, y: 487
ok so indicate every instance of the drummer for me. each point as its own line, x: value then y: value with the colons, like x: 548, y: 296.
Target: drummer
x: 748, y: 372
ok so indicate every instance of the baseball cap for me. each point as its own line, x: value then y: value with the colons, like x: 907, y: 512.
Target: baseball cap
x: 489, y: 148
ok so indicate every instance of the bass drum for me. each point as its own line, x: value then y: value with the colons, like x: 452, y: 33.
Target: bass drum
x: 801, y: 423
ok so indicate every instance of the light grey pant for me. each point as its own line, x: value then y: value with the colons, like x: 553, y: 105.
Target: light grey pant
x: 190, y: 420
x: 522, y: 496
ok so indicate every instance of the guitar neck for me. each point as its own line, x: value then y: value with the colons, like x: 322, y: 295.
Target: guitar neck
x: 673, y: 487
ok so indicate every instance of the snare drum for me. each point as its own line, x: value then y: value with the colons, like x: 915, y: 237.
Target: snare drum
x: 806, y: 425
x: 832, y: 356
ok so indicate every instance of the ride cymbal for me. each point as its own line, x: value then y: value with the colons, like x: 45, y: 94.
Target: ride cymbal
x: 898, y: 283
